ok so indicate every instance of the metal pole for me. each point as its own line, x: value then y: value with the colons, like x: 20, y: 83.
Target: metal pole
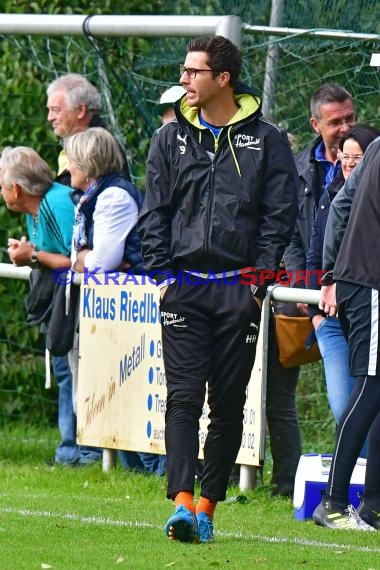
x: 273, y: 55
x: 230, y: 27
x: 109, y: 459
x: 276, y: 292
x: 316, y: 32
x: 145, y: 26
x: 12, y: 272
x: 294, y: 295
x: 114, y: 25
x: 247, y: 479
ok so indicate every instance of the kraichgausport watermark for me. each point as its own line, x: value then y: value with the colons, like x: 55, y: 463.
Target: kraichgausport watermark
x: 246, y: 276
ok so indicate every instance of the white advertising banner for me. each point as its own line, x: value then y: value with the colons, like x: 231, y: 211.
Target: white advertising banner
x: 121, y: 395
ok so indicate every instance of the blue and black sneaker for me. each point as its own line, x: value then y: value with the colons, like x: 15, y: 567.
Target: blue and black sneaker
x: 205, y: 527
x: 182, y: 525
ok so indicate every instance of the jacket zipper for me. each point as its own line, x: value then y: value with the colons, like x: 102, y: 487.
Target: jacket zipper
x: 211, y: 190
x: 211, y: 195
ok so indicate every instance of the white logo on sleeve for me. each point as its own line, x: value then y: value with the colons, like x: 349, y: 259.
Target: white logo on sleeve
x: 252, y: 338
x: 182, y: 147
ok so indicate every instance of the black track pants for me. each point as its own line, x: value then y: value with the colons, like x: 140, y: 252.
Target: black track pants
x: 361, y: 417
x: 209, y: 333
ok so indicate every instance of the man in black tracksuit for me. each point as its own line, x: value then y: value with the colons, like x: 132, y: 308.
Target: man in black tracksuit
x: 221, y: 196
x: 357, y: 276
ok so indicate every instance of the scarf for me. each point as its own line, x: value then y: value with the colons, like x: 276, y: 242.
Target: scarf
x: 79, y: 232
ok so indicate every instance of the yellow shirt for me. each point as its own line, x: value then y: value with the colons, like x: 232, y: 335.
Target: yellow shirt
x: 62, y: 162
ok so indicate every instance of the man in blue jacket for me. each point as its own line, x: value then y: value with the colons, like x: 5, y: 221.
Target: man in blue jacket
x: 332, y: 114
x: 221, y: 196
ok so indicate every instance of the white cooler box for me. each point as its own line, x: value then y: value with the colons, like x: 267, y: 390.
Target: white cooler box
x: 311, y: 478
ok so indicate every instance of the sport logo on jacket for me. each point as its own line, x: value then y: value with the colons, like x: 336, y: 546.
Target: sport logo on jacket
x: 182, y: 147
x: 246, y: 141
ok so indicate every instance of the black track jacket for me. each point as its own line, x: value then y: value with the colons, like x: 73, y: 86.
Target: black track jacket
x: 213, y: 207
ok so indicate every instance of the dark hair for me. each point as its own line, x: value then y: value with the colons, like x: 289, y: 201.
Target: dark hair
x: 223, y: 55
x: 328, y: 93
x: 361, y: 133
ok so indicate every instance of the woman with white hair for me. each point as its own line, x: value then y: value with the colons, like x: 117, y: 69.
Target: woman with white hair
x: 107, y: 204
x: 105, y: 237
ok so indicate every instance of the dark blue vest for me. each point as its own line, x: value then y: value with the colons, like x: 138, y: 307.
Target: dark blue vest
x: 132, y: 247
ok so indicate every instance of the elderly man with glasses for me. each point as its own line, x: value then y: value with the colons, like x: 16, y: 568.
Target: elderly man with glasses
x: 332, y: 115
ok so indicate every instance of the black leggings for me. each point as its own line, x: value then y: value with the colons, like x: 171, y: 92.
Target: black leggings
x: 361, y: 417
x: 209, y: 334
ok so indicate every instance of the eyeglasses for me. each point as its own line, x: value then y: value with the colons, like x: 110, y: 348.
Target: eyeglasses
x: 349, y: 121
x: 191, y: 72
x: 349, y: 157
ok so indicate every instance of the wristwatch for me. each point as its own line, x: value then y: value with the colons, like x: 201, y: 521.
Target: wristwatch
x: 258, y: 291
x: 34, y: 258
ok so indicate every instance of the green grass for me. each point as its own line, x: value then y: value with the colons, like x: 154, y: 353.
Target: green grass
x: 85, y: 519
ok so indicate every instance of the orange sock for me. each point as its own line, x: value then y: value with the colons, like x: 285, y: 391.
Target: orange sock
x: 206, y: 506
x: 186, y: 499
